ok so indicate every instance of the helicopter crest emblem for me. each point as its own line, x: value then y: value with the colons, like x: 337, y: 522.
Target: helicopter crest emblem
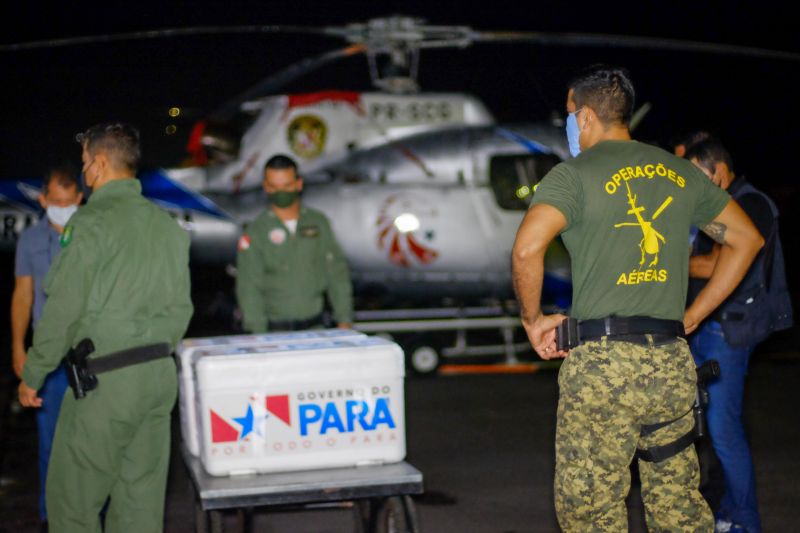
x: 306, y: 135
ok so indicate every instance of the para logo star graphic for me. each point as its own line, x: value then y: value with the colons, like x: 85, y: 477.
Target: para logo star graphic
x: 223, y: 430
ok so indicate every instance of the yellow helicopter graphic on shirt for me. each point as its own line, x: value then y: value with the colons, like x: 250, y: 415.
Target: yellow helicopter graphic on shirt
x: 649, y: 244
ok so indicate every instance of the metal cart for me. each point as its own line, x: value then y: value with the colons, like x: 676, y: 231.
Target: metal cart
x: 378, y: 495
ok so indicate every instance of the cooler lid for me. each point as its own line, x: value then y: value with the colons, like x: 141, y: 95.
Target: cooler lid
x: 187, y: 348
x: 277, y: 363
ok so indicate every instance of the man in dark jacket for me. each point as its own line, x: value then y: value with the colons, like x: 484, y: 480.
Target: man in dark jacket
x: 758, y: 306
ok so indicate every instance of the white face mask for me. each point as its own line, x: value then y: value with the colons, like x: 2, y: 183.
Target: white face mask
x: 60, y: 215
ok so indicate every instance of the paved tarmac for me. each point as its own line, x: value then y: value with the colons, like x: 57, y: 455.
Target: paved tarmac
x: 485, y: 446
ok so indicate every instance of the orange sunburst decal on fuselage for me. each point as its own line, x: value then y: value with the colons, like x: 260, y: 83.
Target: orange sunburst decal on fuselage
x: 404, y: 249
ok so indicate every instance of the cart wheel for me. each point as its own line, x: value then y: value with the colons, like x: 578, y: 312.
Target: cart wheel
x: 423, y: 356
x: 397, y: 515
x: 200, y: 519
x: 362, y: 513
x: 216, y: 520
x: 207, y: 522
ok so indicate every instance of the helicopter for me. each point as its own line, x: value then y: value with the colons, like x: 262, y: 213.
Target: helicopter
x: 424, y: 190
x: 429, y: 212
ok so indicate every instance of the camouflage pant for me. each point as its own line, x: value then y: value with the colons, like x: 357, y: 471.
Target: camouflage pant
x: 608, y: 390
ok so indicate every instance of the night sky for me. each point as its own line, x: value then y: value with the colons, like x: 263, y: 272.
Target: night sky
x: 50, y: 94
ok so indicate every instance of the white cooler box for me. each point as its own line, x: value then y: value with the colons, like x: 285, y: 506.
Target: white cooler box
x: 189, y: 351
x: 300, y: 405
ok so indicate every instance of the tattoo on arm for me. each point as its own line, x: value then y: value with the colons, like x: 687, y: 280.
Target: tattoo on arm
x: 716, y: 230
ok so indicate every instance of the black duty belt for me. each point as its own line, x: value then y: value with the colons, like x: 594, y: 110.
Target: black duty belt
x: 129, y: 357
x: 295, y: 325
x: 628, y: 328
x: 82, y: 371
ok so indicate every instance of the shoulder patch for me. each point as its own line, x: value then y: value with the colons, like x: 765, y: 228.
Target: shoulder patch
x: 66, y: 237
x: 244, y: 243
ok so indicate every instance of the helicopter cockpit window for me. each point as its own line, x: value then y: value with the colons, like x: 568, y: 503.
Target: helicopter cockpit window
x: 513, y: 177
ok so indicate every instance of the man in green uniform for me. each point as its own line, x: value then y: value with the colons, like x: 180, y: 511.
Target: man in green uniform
x: 121, y: 280
x: 624, y: 209
x: 288, y: 260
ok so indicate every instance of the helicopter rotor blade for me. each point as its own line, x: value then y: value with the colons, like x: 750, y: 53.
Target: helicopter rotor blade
x: 639, y: 115
x: 626, y: 41
x: 397, y: 35
x: 158, y: 34
x: 384, y: 33
x: 284, y: 76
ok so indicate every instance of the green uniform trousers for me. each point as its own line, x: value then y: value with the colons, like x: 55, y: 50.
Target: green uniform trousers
x: 115, y: 441
x: 607, y: 391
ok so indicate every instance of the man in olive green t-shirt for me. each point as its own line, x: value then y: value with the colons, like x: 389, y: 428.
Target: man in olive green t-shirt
x: 624, y: 210
x: 628, y: 208
x: 288, y: 261
x: 122, y: 281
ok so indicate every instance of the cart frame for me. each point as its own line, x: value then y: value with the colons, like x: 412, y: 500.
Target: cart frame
x: 379, y: 494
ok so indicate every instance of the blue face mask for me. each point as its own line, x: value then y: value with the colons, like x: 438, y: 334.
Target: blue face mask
x: 573, y: 134
x: 60, y: 215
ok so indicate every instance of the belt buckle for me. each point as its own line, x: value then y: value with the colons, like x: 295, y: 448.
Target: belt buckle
x: 607, y: 326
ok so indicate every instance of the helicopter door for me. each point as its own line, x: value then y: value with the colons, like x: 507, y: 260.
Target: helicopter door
x: 512, y: 178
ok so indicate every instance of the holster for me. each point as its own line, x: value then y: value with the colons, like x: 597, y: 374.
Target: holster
x: 707, y: 371
x: 82, y: 372
x: 81, y: 379
x: 567, y: 336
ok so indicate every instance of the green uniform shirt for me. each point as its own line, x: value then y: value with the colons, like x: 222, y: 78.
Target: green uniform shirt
x: 284, y: 276
x: 629, y: 207
x: 121, y: 279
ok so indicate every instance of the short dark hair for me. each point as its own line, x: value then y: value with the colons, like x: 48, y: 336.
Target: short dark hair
x: 607, y: 90
x: 708, y: 153
x: 280, y: 162
x: 119, y: 140
x: 691, y: 138
x: 63, y: 174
